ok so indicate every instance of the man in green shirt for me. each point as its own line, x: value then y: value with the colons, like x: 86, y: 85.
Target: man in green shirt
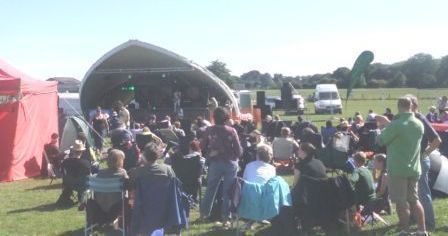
x: 402, y: 138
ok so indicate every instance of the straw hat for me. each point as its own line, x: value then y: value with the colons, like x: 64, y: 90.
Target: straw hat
x: 78, y: 146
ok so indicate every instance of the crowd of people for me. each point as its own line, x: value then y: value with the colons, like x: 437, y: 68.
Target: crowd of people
x: 385, y: 158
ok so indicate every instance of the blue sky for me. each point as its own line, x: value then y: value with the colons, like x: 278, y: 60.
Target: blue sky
x: 64, y: 38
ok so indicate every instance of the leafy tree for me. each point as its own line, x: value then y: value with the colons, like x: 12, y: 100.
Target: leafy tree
x: 398, y: 81
x: 442, y: 72
x: 251, y: 79
x: 417, y: 67
x: 427, y: 81
x: 278, y: 78
x: 342, y: 75
x: 220, y: 69
x: 266, y: 81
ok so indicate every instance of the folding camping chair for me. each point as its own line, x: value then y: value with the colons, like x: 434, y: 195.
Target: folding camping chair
x: 50, y: 168
x: 105, y: 185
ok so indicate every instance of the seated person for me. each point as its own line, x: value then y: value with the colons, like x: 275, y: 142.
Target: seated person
x: 145, y: 137
x: 382, y: 191
x: 52, y: 154
x: 250, y: 150
x: 432, y: 116
x: 151, y: 153
x: 362, y: 179
x: 155, y: 205
x: 189, y: 168
x: 75, y: 171
x: 260, y: 171
x: 105, y: 207
x: 307, y: 164
x: 284, y: 146
x: 310, y: 136
x: 328, y: 131
x: 120, y: 135
x: 177, y: 128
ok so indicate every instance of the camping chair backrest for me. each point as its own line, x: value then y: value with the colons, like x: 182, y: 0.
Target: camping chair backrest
x: 168, y: 135
x: 105, y: 185
x: 341, y: 142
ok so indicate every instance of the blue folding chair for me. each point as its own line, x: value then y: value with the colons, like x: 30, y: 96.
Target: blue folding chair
x: 105, y: 185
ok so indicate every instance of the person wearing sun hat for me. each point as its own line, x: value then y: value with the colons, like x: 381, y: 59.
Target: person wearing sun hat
x: 75, y: 171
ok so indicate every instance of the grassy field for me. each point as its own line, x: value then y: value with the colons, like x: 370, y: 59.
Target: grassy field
x: 362, y: 100
x: 27, y: 207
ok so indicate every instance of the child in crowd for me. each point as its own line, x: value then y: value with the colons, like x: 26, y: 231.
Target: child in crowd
x: 362, y: 179
x: 382, y: 191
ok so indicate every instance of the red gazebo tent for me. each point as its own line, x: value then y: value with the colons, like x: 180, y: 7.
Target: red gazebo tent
x: 28, y: 117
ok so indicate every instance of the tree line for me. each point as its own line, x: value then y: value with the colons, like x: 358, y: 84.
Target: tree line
x: 419, y: 71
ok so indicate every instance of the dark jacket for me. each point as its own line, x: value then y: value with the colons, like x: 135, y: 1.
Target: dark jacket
x: 319, y: 201
x: 157, y: 204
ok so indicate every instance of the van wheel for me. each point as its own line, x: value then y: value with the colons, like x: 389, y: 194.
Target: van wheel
x: 317, y: 112
x: 340, y: 111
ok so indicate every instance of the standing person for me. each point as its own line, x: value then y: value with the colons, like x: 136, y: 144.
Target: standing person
x: 212, y: 104
x: 101, y: 127
x: 429, y: 143
x: 123, y: 114
x: 402, y: 138
x: 177, y: 96
x: 223, y: 150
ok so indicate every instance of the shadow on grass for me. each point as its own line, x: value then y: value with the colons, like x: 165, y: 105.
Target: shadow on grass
x: 219, y: 231
x: 46, y: 187
x: 377, y: 231
x: 43, y: 208
x: 99, y: 231
x: 443, y: 229
x: 74, y: 232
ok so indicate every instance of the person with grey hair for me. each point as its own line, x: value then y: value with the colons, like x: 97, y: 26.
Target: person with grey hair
x: 429, y: 143
x: 260, y: 171
x: 284, y: 146
x: 402, y: 137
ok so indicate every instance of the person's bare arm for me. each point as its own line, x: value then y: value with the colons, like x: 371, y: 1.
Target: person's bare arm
x: 433, y: 145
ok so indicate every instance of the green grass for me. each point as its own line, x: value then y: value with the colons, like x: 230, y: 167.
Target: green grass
x: 362, y: 100
x: 27, y: 208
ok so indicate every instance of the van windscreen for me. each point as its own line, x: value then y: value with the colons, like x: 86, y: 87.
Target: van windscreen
x: 328, y: 96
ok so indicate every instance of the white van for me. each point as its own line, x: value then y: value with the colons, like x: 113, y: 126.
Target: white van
x: 327, y: 99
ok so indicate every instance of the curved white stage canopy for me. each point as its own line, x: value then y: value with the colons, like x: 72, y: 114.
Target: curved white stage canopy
x: 150, y: 75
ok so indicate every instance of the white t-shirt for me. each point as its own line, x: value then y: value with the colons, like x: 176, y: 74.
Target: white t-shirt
x: 258, y: 172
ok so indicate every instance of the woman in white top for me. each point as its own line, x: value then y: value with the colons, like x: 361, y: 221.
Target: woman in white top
x: 260, y: 171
